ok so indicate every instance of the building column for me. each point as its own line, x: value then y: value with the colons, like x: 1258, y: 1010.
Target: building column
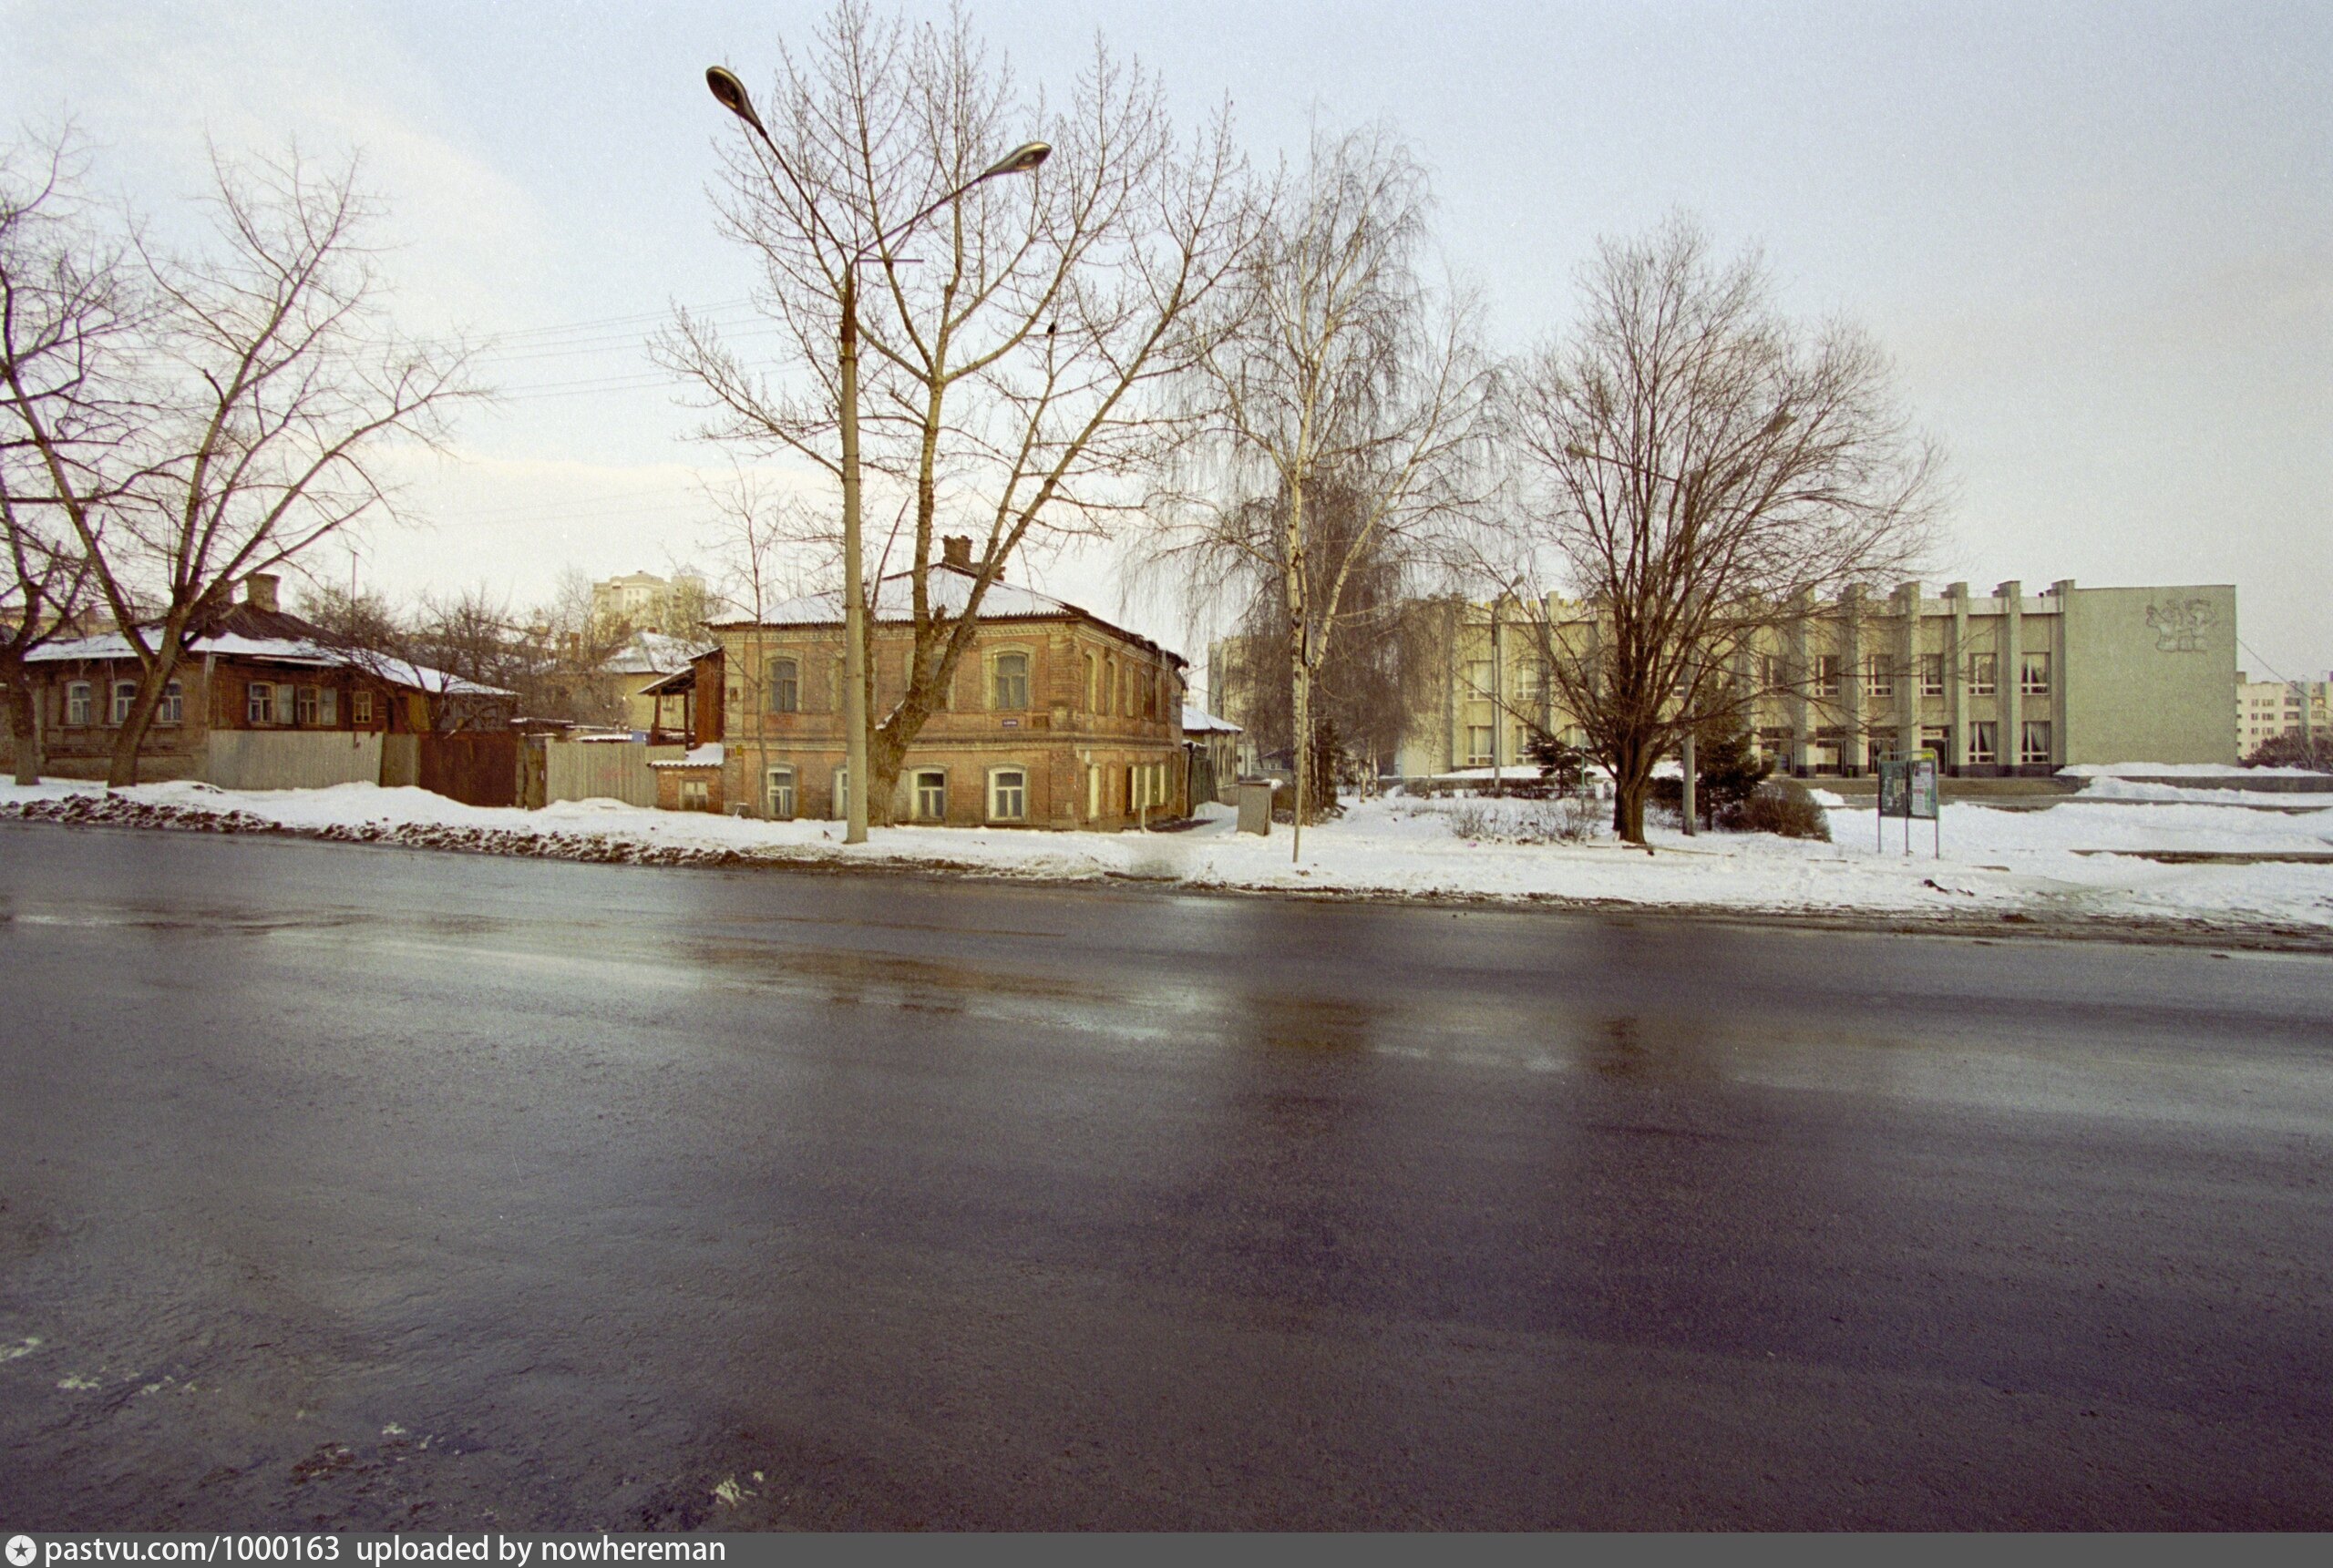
x: 1798, y: 673
x: 2060, y: 671
x: 1956, y: 675
x: 1855, y: 745
x: 2010, y: 680
x: 1907, y: 669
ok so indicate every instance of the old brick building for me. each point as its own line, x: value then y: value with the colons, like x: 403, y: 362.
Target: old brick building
x: 1055, y: 719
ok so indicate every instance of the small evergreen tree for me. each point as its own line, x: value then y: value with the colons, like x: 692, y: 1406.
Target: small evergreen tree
x: 1561, y: 764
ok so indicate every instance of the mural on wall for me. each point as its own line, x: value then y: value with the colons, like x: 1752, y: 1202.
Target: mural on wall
x: 2181, y: 625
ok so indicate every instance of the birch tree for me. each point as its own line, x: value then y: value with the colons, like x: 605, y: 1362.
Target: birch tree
x: 1696, y: 470
x: 1333, y: 372
x: 1013, y: 345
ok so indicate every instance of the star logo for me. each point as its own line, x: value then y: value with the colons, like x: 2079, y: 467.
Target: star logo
x: 21, y: 1549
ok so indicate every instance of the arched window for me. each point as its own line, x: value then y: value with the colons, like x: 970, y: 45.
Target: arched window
x: 785, y: 686
x: 1011, y: 682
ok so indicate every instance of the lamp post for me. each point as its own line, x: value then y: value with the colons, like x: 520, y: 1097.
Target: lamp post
x: 730, y: 94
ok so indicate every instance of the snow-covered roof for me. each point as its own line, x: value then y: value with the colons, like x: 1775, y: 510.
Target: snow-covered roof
x: 950, y: 591
x: 1199, y: 722
x: 652, y: 653
x: 280, y: 651
x: 709, y: 755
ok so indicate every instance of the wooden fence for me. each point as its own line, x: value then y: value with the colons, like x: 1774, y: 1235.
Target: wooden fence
x: 603, y: 770
x: 265, y: 759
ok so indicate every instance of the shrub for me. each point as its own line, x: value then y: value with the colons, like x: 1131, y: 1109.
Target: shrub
x: 1781, y: 806
x: 1567, y: 819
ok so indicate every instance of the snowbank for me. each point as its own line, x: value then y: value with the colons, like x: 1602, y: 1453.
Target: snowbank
x: 2074, y: 861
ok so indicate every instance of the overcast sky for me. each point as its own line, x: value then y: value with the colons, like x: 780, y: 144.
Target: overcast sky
x: 2098, y: 240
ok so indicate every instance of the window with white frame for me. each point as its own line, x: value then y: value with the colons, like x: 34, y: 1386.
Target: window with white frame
x: 76, y: 703
x: 2034, y: 747
x: 125, y: 697
x: 696, y: 794
x: 360, y: 708
x: 2033, y: 675
x: 1008, y: 794
x: 1478, y: 745
x: 780, y: 794
x: 173, y: 709
x: 1479, y: 677
x: 1879, y: 677
x: 1984, y: 742
x: 1984, y: 671
x: 1828, y: 669
x: 259, y: 702
x: 1931, y: 674
x: 931, y: 795
x: 1011, y: 681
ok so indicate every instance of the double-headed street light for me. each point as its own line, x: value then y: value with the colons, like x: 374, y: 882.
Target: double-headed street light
x: 730, y: 94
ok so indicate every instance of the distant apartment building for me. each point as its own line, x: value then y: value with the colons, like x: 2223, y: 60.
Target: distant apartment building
x: 642, y: 601
x: 2267, y: 708
x: 2003, y: 683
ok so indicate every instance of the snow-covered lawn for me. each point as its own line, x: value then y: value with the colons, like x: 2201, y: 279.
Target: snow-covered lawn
x: 1995, y: 862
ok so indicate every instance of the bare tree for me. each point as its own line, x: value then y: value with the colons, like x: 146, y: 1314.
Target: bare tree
x: 66, y: 322
x: 275, y: 382
x: 1344, y: 393
x: 1697, y: 471
x: 1012, y: 346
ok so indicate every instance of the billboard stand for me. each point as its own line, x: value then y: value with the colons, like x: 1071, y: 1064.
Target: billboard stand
x: 1907, y: 788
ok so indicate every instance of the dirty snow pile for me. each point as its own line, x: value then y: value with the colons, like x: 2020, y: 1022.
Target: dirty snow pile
x: 2078, y: 860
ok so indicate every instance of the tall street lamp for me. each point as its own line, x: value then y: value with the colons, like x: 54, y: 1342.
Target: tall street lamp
x: 730, y: 94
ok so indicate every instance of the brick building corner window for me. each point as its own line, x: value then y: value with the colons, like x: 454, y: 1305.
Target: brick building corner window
x: 76, y: 703
x: 360, y: 708
x: 930, y: 795
x: 2034, y: 747
x: 2033, y: 680
x: 1008, y: 794
x: 1984, y: 745
x: 172, y: 708
x: 781, y: 795
x: 1931, y: 674
x: 125, y: 697
x: 1983, y: 670
x: 259, y: 702
x: 785, y: 686
x: 1011, y: 682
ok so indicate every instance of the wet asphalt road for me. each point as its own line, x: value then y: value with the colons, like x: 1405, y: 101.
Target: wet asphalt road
x: 402, y: 1190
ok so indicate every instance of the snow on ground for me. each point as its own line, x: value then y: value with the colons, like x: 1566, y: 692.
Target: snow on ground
x: 1996, y: 862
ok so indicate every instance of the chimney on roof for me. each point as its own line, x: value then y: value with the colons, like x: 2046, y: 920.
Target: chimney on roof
x: 956, y: 550
x: 259, y: 590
